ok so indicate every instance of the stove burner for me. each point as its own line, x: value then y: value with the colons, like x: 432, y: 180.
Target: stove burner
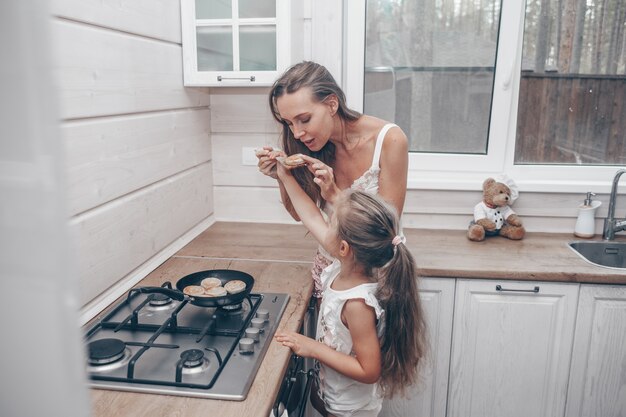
x: 191, y: 361
x: 238, y: 310
x: 158, y: 300
x: 192, y: 358
x: 105, y: 351
x: 232, y: 307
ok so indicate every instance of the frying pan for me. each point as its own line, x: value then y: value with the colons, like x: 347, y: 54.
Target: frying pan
x: 224, y: 275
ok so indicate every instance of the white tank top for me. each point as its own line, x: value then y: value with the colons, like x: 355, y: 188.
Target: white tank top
x: 368, y: 182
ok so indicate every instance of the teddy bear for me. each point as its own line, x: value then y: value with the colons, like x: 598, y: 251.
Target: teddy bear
x: 493, y: 216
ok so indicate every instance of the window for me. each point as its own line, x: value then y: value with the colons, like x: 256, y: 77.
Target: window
x: 534, y: 88
x: 573, y: 84
x: 430, y: 67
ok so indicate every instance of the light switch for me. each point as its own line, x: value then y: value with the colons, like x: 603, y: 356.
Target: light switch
x: 248, y: 157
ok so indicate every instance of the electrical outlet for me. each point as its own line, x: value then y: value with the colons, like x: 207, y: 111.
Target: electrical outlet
x: 248, y: 156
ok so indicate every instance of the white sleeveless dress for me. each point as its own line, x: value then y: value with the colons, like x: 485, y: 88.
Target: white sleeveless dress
x: 344, y: 396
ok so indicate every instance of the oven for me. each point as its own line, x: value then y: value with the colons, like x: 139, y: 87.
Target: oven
x: 293, y: 396
x: 151, y: 343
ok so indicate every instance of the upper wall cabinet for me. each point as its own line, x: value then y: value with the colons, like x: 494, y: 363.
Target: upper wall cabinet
x: 239, y: 42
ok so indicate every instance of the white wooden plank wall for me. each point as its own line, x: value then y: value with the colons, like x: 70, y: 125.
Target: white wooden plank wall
x: 127, y: 232
x: 108, y: 157
x: 137, y: 142
x: 241, y: 118
x: 158, y: 19
x: 104, y: 72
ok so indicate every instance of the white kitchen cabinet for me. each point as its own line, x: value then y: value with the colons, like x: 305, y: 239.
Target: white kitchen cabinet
x: 511, y: 348
x: 240, y: 42
x: 597, y: 384
x: 428, y: 397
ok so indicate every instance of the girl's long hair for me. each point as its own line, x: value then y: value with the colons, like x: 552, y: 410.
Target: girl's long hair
x: 369, y: 225
x: 322, y: 84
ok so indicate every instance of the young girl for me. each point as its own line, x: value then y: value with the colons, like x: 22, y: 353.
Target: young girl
x: 370, y: 332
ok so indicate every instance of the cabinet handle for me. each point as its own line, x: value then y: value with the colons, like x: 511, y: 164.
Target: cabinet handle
x: 499, y: 288
x: 250, y: 78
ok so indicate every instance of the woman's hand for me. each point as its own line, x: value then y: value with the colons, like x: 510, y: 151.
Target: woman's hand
x: 267, y: 160
x: 324, y: 178
x: 299, y: 344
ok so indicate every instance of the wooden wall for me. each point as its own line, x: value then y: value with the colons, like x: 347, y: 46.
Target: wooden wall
x: 137, y: 143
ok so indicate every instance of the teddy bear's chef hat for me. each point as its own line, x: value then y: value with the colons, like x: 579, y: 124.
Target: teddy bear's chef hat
x: 504, y: 179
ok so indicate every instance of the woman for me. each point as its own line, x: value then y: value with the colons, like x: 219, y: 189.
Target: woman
x: 343, y: 148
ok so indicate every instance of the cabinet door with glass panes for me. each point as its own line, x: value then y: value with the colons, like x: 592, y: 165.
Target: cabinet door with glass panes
x: 239, y: 42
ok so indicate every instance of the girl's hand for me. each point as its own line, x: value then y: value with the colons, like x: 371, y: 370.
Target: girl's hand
x: 299, y: 344
x: 267, y: 160
x: 282, y: 171
x: 324, y: 177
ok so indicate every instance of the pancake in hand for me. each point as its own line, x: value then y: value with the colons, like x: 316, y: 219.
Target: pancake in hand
x: 259, y: 152
x: 292, y: 161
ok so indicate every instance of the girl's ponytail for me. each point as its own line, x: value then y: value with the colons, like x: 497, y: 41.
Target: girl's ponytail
x: 404, y: 342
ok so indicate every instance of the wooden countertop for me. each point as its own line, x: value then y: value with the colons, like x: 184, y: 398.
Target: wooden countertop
x: 279, y: 257
x: 439, y: 253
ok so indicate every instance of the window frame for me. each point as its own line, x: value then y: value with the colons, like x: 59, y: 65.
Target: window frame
x: 464, y: 171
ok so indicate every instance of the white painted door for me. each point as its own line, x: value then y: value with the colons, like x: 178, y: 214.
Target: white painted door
x: 597, y: 385
x: 511, y: 348
x: 428, y: 398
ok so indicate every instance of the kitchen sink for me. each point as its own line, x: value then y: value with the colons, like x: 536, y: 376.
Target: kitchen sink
x: 608, y: 254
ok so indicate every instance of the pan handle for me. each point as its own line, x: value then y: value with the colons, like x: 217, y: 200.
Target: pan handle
x: 172, y: 293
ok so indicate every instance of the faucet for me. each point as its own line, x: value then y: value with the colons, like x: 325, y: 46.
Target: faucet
x: 611, y: 224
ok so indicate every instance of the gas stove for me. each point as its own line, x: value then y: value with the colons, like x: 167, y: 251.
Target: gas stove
x: 153, y: 344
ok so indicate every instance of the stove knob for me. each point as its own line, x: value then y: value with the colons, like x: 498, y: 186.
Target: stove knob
x: 246, y: 345
x: 253, y: 333
x: 263, y: 314
x: 258, y: 323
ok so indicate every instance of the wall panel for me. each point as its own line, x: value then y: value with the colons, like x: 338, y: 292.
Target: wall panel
x: 428, y: 209
x: 101, y: 72
x: 119, y: 236
x: 228, y: 168
x: 159, y: 19
x: 241, y: 110
x: 111, y: 156
x: 250, y: 204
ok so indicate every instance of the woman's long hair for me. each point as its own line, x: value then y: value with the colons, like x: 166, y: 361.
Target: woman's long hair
x: 322, y: 84
x: 369, y: 225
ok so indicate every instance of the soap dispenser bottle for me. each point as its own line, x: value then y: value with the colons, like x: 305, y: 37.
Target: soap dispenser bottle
x: 585, y: 224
